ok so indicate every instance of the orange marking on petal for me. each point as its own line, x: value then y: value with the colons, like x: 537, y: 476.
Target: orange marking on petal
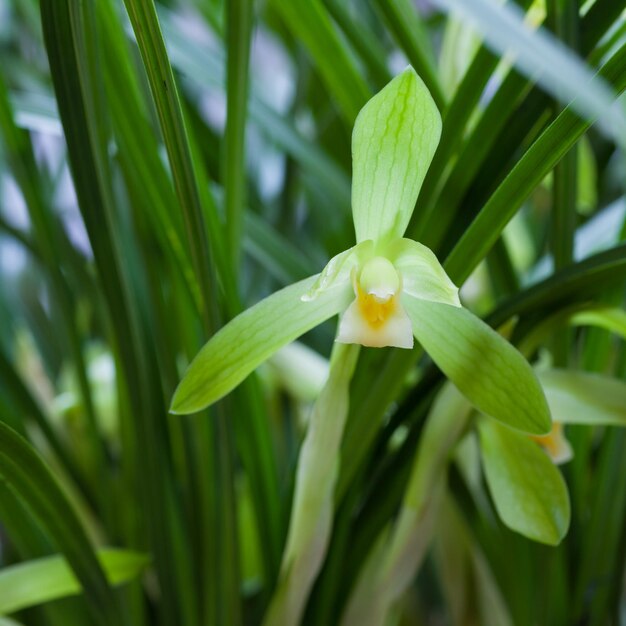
x: 553, y: 441
x: 374, y: 310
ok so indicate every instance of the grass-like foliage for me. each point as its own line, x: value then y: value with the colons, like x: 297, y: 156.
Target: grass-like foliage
x: 311, y: 312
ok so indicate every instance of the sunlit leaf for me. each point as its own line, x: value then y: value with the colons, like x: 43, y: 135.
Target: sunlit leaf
x: 565, y: 76
x: 50, y: 578
x: 584, y: 397
x: 613, y: 320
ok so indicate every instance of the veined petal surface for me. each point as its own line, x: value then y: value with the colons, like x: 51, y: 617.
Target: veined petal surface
x: 339, y: 269
x: 485, y: 367
x: 394, y: 139
x: 252, y: 337
x: 422, y: 274
x: 528, y: 490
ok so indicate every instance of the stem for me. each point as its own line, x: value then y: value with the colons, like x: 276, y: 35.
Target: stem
x: 312, y: 512
x: 399, y: 551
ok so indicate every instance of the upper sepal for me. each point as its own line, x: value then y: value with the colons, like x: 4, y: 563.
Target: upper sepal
x: 393, y: 142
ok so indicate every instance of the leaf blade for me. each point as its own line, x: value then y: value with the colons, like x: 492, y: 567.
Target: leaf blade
x: 50, y: 578
x: 545, y: 59
x: 25, y: 471
x: 584, y: 397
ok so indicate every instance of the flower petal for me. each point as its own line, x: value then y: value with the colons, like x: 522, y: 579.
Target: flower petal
x: 251, y: 338
x: 485, y: 367
x: 338, y: 270
x: 394, y: 139
x: 529, y: 492
x: 555, y: 444
x: 396, y: 332
x: 422, y: 274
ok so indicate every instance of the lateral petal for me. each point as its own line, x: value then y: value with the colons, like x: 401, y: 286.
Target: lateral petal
x: 422, y: 274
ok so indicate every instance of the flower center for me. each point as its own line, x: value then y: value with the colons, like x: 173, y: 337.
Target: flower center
x: 376, y: 289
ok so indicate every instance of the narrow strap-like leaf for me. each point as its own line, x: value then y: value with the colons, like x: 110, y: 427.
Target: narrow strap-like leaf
x: 529, y: 171
x: 239, y: 16
x: 24, y: 470
x: 309, y: 23
x: 584, y: 397
x: 566, y: 76
x: 187, y: 183
x: 50, y: 578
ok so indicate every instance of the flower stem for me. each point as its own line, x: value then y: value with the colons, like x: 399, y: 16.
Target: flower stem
x: 400, y: 549
x: 312, y: 511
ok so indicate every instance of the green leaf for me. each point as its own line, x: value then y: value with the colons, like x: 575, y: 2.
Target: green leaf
x: 584, y: 398
x: 251, y: 338
x: 487, y: 369
x: 393, y: 142
x: 27, y: 474
x: 204, y: 67
x: 357, y: 29
x: 388, y: 572
x: 539, y: 55
x: 611, y: 319
x: 470, y: 586
x: 569, y: 287
x: 408, y: 29
x: 50, y: 578
x: 310, y: 24
x: 527, y: 173
x: 239, y: 18
x: 528, y: 490
x: 282, y: 259
x: 195, y: 201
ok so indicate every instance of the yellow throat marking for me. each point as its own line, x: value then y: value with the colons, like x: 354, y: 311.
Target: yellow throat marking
x: 375, y: 310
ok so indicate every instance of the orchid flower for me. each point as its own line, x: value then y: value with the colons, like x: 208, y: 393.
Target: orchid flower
x: 387, y: 289
x: 555, y: 444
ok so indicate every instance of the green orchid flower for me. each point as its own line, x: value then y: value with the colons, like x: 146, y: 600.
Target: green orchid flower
x: 387, y: 289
